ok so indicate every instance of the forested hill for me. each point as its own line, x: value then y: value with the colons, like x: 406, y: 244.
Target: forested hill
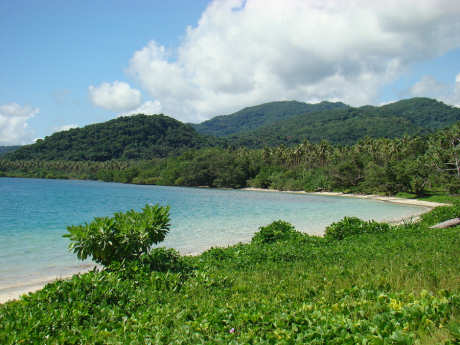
x: 130, y: 137
x: 348, y: 125
x: 5, y: 149
x: 252, y: 118
x: 149, y: 136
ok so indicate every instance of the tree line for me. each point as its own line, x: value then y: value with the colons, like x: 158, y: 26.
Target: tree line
x: 409, y: 164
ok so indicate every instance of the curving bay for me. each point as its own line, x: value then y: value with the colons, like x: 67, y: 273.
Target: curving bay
x: 34, y: 214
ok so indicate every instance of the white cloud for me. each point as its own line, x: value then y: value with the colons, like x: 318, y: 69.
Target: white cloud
x: 13, y: 123
x: 430, y: 87
x: 118, y: 96
x: 66, y: 127
x: 146, y: 108
x: 246, y: 52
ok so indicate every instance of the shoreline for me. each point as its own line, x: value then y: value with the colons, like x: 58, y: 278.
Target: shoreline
x: 392, y: 199
x: 15, y: 292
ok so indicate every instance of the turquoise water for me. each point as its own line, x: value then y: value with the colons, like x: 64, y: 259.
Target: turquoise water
x: 34, y: 214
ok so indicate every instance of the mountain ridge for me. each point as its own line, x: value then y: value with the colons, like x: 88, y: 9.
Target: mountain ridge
x: 259, y: 115
x: 142, y: 137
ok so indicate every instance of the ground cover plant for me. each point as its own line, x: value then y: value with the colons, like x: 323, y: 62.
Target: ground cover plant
x: 397, y: 286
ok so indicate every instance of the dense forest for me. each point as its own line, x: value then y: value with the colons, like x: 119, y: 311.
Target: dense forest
x: 408, y: 164
x: 255, y: 117
x: 365, y: 149
x: 143, y: 137
x: 414, y: 116
x: 129, y: 137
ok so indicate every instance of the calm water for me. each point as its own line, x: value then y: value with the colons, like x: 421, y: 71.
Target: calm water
x: 34, y: 214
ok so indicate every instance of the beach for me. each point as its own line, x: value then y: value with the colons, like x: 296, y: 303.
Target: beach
x: 8, y: 293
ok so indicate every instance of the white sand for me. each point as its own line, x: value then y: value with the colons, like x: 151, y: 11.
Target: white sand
x: 392, y: 199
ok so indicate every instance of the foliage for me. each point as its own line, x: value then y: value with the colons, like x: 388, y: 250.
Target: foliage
x: 414, y: 165
x: 129, y: 137
x: 347, y: 125
x: 163, y: 260
x: 277, y: 231
x: 255, y: 117
x: 350, y: 226
x: 441, y: 214
x: 157, y: 260
x: 124, y: 237
x: 397, y: 287
x: 143, y: 137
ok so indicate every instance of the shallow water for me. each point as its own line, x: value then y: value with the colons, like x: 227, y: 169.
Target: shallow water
x: 34, y: 214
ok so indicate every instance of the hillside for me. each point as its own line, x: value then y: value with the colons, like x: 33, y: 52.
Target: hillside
x: 255, y: 117
x: 348, y: 125
x: 5, y: 149
x: 270, y: 124
x: 130, y: 137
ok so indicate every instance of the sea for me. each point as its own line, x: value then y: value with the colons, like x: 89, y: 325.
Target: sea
x: 35, y: 213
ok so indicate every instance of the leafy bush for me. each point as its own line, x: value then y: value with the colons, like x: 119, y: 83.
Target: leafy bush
x: 349, y: 226
x: 157, y: 260
x: 163, y: 260
x: 124, y: 237
x: 277, y: 231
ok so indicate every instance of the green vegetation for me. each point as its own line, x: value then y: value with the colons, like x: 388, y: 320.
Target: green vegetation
x: 124, y: 237
x: 273, y: 124
x: 129, y: 137
x: 347, y: 125
x: 362, y: 283
x: 255, y: 117
x: 350, y: 226
x: 415, y: 165
x: 397, y: 286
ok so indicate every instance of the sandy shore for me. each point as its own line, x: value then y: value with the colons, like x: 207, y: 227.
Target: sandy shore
x: 392, y: 199
x: 427, y: 205
x: 12, y: 293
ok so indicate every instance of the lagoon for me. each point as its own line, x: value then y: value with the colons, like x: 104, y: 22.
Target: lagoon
x: 34, y: 214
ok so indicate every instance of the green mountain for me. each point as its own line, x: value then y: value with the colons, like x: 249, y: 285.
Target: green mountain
x: 5, y: 149
x: 129, y: 137
x: 255, y: 117
x: 270, y: 124
x: 348, y: 125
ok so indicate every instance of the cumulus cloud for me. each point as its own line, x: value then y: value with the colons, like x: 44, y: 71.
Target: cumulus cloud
x: 146, y: 108
x: 117, y: 96
x: 13, y: 123
x: 66, y: 127
x: 243, y: 52
x: 430, y: 87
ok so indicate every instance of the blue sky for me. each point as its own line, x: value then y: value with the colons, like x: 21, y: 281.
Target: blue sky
x: 72, y: 63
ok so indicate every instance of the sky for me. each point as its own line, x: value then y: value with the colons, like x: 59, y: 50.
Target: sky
x: 71, y: 63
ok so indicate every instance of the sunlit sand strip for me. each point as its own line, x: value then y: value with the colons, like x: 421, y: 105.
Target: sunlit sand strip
x: 413, y: 202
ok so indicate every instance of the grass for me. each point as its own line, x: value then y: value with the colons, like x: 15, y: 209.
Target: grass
x: 401, y: 286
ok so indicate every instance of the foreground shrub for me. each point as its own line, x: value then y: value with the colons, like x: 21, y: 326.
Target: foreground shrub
x: 277, y: 231
x: 124, y: 237
x: 350, y: 226
x: 157, y: 260
x: 163, y: 260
